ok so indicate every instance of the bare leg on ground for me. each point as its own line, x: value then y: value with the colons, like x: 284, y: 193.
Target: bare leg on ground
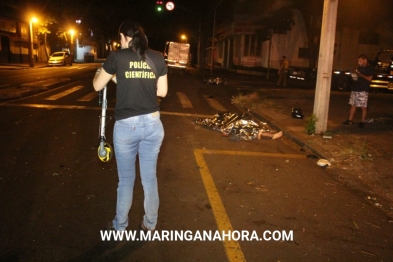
x: 273, y: 136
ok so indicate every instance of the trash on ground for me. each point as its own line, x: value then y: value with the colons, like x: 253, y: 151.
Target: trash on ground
x: 215, y: 80
x: 238, y: 127
x: 374, y: 200
x: 323, y: 163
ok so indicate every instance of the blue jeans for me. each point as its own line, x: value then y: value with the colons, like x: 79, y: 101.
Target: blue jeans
x: 140, y: 135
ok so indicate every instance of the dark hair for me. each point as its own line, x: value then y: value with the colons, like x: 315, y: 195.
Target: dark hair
x: 363, y: 56
x: 139, y: 40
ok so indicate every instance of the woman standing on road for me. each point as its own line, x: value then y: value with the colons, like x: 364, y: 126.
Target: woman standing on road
x: 141, y: 76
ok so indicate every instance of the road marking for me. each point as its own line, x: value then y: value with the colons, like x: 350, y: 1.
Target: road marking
x: 89, y: 96
x: 184, y: 114
x: 54, y: 106
x: 232, y: 248
x: 185, y: 102
x: 215, y: 104
x: 248, y: 153
x: 96, y: 108
x: 64, y: 93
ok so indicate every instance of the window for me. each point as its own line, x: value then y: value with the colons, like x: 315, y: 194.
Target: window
x: 246, y: 48
x: 252, y: 45
x: 259, y: 48
x: 219, y: 50
x: 304, y: 53
x: 368, y: 38
x: 237, y: 47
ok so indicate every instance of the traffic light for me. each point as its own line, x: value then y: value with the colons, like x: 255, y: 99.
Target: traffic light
x: 159, y: 6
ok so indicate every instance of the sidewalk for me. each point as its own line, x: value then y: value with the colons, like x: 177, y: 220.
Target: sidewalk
x: 19, y: 66
x: 360, y: 158
x: 22, y: 66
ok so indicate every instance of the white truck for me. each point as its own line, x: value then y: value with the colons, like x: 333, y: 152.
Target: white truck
x: 177, y: 54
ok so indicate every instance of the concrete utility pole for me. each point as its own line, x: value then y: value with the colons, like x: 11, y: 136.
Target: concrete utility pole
x: 325, y: 64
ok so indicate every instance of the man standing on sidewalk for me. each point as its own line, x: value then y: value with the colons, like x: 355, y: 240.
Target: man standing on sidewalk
x: 283, y: 71
x: 359, y: 94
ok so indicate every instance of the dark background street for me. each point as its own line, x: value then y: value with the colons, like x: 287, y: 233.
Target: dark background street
x: 56, y: 195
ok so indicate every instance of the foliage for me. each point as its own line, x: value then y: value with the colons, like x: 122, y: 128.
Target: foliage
x: 279, y: 21
x: 43, y: 25
x: 310, y: 124
x: 273, y: 17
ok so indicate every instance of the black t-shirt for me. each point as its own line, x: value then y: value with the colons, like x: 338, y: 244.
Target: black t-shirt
x: 136, y: 91
x: 362, y: 84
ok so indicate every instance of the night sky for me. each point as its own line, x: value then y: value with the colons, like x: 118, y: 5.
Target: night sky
x: 105, y: 16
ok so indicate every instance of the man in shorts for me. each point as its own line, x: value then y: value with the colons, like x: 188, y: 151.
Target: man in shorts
x: 359, y: 94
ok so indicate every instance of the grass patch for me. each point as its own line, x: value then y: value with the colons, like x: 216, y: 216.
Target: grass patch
x: 242, y: 99
x: 357, y: 148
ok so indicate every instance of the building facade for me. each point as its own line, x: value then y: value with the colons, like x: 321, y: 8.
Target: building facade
x: 14, y: 47
x: 236, y: 44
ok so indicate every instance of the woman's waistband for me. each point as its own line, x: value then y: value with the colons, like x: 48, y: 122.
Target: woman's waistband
x: 144, y: 117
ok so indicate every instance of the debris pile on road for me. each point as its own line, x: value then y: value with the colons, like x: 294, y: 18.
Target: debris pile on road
x: 238, y: 127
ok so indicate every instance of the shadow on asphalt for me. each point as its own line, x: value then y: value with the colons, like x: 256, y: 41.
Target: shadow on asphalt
x: 110, y: 251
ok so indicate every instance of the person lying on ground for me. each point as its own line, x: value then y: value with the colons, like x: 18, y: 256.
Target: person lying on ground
x: 262, y: 133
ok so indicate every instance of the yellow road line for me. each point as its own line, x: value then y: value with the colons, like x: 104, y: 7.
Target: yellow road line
x: 94, y: 108
x: 241, y: 153
x: 232, y: 248
x: 184, y: 114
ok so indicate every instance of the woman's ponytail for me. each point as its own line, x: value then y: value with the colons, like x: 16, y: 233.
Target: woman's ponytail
x: 139, y: 44
x: 139, y: 41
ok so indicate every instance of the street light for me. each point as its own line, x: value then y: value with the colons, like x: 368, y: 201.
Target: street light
x: 214, y: 31
x: 72, y: 32
x: 31, y: 54
x: 184, y: 37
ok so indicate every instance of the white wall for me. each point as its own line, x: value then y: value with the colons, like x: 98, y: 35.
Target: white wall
x: 287, y: 44
x: 79, y: 52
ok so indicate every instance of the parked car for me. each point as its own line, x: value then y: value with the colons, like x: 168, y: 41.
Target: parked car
x: 341, y: 79
x: 383, y: 68
x: 60, y: 58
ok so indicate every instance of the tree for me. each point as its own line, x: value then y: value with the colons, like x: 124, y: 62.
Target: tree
x: 279, y: 21
x: 273, y: 16
x: 43, y: 29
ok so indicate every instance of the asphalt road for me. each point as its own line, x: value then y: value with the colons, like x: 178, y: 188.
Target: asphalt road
x: 56, y: 195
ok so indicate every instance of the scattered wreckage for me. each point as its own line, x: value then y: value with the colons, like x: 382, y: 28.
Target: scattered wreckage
x: 215, y: 80
x: 238, y: 126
